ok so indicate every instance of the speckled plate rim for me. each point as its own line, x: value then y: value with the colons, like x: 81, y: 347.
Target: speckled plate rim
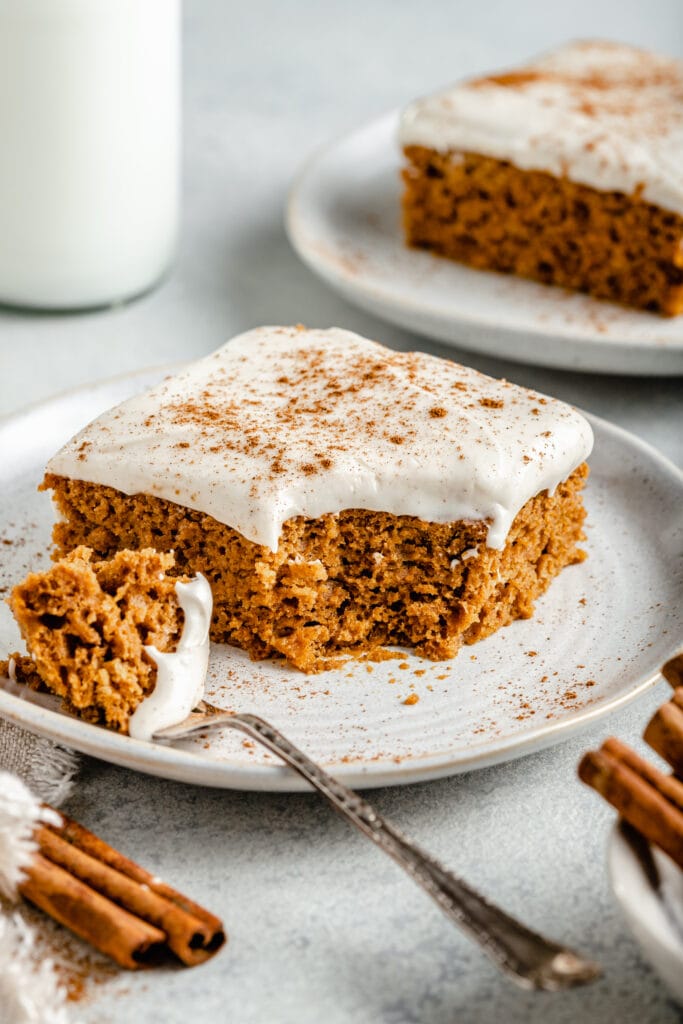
x: 184, y: 766
x: 491, y: 334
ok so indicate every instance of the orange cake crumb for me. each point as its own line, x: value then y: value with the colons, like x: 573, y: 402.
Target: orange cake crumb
x: 324, y: 593
x: 86, y: 623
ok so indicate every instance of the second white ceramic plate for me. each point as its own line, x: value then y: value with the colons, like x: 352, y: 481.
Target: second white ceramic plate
x: 597, y: 639
x: 344, y: 221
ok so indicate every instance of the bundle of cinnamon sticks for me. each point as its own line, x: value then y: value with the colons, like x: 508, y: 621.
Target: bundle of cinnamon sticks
x: 113, y: 903
x: 647, y: 798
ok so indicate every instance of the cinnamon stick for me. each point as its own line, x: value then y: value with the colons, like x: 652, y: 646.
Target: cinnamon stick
x: 673, y: 671
x: 113, y: 903
x: 87, y: 841
x: 669, y: 786
x: 664, y: 734
x: 640, y: 798
x: 125, y: 938
x: 185, y: 934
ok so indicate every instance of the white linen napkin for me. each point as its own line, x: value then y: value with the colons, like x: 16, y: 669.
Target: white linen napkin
x: 32, y: 770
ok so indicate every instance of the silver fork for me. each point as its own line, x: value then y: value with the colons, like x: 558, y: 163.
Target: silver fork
x: 532, y: 961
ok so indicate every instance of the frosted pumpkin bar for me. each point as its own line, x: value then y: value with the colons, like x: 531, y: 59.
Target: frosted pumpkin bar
x: 566, y: 170
x: 338, y: 496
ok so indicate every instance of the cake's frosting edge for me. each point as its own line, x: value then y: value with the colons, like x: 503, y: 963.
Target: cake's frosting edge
x: 605, y: 115
x: 181, y: 674
x: 282, y: 422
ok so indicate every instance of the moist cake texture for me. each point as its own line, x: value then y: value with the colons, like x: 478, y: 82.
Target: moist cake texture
x: 348, y: 583
x: 96, y: 630
x: 566, y: 170
x: 338, y: 496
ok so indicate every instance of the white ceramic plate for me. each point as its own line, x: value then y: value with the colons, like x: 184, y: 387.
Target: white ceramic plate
x: 343, y: 219
x: 597, y: 639
x: 655, y: 919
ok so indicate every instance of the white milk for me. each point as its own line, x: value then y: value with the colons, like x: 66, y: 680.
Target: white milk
x: 89, y: 149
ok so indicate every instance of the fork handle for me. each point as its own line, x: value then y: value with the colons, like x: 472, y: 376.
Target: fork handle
x: 531, y: 960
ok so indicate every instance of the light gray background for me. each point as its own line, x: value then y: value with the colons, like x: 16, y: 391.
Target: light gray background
x: 323, y: 928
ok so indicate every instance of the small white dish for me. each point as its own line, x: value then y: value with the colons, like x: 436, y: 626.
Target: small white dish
x: 597, y: 640
x: 655, y: 918
x: 344, y: 221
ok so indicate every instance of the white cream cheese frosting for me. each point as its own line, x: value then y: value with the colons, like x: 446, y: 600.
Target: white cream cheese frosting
x: 284, y: 421
x: 601, y: 114
x: 181, y: 674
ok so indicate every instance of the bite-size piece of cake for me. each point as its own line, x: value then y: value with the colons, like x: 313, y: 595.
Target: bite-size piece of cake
x: 339, y: 496
x: 120, y: 640
x: 566, y: 170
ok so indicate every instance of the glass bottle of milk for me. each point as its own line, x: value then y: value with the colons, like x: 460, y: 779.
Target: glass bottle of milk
x: 89, y: 149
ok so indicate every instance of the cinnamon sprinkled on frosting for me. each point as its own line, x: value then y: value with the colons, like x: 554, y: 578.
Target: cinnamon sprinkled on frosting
x: 284, y: 421
x: 602, y: 114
